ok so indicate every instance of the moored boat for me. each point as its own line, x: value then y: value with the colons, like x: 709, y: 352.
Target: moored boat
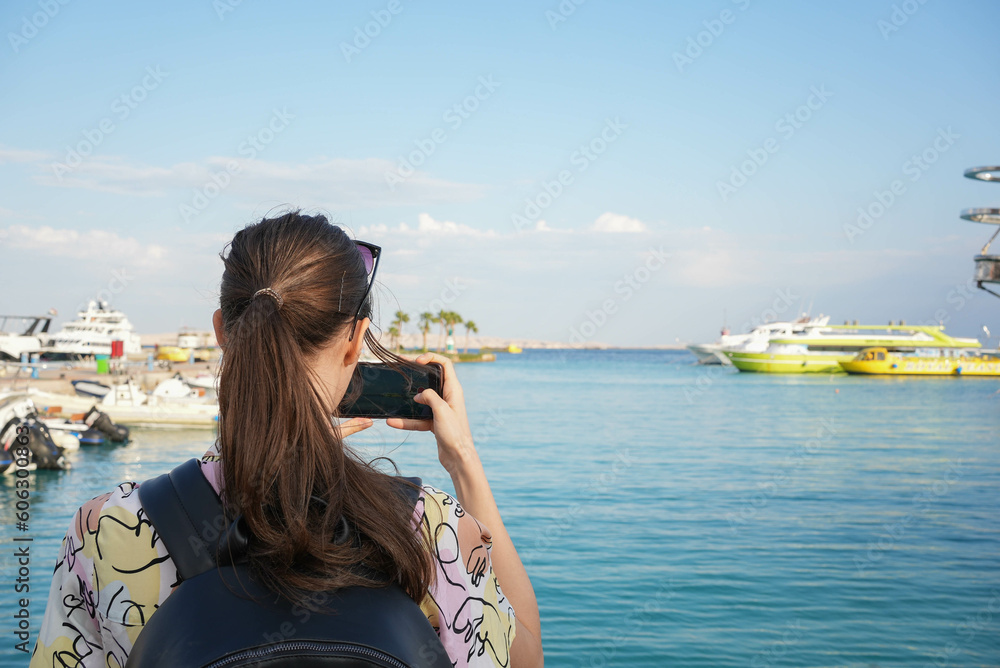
x: 821, y: 350
x: 756, y: 340
x: 25, y: 441
x: 199, y: 343
x: 788, y: 359
x: 879, y: 361
x: 173, y: 353
x: 90, y: 388
x: 92, y: 333
x: 171, y: 404
x: 708, y: 353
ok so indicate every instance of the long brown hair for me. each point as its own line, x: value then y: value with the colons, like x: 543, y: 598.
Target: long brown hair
x: 284, y: 468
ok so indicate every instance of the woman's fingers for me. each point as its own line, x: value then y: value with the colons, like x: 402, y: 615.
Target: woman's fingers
x: 432, y: 399
x: 447, y: 365
x: 446, y: 362
x: 451, y: 389
x: 410, y: 425
x: 353, y: 426
x: 427, y: 397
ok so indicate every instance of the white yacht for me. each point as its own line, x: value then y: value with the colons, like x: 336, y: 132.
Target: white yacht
x: 20, y: 334
x: 758, y: 338
x: 92, y: 333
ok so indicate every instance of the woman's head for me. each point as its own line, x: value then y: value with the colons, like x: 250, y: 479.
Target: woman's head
x: 293, y: 316
x: 311, y: 275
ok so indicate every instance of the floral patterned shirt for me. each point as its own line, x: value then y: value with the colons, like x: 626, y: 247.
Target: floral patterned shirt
x: 113, y: 572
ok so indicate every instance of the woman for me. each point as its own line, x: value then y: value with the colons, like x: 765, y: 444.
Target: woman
x: 294, y: 317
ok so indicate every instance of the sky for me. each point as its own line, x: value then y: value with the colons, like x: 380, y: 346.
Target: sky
x: 628, y: 173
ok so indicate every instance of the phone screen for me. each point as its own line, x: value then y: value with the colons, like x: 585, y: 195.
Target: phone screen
x: 388, y: 392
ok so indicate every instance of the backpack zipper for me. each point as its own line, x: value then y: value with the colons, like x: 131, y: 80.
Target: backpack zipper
x: 318, y: 646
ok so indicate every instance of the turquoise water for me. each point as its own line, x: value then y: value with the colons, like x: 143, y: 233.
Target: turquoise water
x: 671, y: 514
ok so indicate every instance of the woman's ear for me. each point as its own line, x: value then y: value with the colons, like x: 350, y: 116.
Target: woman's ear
x: 220, y: 333
x: 355, y: 345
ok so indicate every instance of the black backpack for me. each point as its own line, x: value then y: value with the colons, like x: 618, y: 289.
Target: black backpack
x: 219, y: 616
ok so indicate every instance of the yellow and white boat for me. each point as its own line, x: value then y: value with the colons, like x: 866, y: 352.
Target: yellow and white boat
x: 173, y: 354
x: 882, y: 362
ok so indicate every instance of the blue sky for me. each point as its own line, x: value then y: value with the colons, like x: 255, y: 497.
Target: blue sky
x: 647, y: 111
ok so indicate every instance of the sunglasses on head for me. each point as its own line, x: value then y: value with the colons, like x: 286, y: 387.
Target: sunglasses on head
x: 370, y: 254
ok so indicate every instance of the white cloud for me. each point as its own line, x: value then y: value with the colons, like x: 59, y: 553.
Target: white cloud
x: 615, y: 222
x: 21, y: 155
x: 427, y: 225
x: 338, y: 183
x: 86, y: 245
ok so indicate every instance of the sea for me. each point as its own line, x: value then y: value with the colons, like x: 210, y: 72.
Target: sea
x: 671, y: 514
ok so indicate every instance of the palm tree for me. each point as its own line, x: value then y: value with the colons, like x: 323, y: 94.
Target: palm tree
x: 469, y: 327
x: 440, y: 319
x: 426, y: 318
x: 401, y: 318
x: 394, y: 336
x: 451, y: 319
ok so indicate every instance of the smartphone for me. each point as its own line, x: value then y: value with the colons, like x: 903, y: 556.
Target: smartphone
x: 387, y: 392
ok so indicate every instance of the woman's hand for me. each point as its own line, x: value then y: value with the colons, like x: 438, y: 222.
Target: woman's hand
x: 352, y: 426
x: 450, y: 424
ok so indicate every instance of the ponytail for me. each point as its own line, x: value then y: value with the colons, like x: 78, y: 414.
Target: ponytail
x: 285, y: 468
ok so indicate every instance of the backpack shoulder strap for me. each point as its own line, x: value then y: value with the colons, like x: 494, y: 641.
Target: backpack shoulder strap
x: 411, y: 494
x: 188, y: 517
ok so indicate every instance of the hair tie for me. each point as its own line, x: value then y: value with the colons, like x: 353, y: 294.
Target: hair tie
x: 270, y: 293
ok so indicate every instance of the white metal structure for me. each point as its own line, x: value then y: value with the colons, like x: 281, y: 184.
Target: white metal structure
x: 20, y: 334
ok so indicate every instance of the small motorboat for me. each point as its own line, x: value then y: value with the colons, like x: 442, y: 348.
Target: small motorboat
x: 90, y: 388
x: 204, y: 381
x: 90, y: 428
x: 173, y: 354
x: 25, y: 441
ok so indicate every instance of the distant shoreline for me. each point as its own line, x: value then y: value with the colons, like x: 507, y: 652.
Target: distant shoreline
x: 475, y: 343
